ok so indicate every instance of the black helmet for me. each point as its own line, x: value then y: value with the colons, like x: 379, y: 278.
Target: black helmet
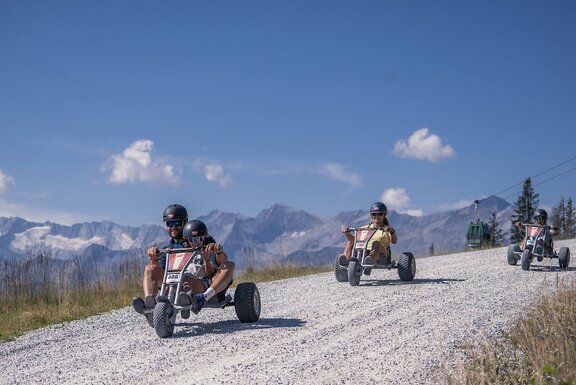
x: 174, y: 213
x: 378, y: 207
x: 541, y: 213
x: 195, y: 226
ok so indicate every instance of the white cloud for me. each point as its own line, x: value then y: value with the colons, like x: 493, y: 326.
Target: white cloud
x: 414, y: 212
x: 397, y: 199
x: 456, y: 205
x: 215, y: 173
x: 135, y: 165
x: 423, y: 145
x: 337, y: 172
x: 6, y: 182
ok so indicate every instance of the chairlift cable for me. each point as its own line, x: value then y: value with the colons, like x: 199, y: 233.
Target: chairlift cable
x: 537, y: 175
x: 546, y: 180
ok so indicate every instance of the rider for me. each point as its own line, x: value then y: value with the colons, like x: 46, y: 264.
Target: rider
x: 379, y: 244
x: 541, y: 218
x: 175, y: 216
x: 216, y: 273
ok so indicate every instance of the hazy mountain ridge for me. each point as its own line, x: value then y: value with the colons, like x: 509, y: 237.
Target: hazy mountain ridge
x: 276, y: 234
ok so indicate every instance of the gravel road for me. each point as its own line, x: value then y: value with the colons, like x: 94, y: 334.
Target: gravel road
x: 312, y: 330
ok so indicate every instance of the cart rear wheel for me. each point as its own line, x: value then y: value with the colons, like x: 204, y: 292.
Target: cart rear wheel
x: 247, y: 302
x: 564, y: 258
x: 512, y: 260
x: 407, y: 266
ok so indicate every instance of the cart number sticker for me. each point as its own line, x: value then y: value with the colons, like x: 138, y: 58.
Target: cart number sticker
x: 172, y: 278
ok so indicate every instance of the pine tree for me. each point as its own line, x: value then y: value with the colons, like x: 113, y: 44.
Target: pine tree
x: 558, y: 218
x: 431, y: 249
x: 496, y: 234
x: 524, y: 209
x: 570, y: 220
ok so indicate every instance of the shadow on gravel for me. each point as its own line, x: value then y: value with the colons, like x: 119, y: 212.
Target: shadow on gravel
x: 188, y: 329
x: 416, y: 281
x: 550, y: 269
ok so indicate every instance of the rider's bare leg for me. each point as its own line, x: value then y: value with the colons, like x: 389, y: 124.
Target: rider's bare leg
x: 348, y: 249
x: 193, y: 284
x: 378, y: 252
x: 221, y: 279
x: 153, y: 276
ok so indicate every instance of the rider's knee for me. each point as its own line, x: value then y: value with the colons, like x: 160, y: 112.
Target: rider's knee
x: 228, y: 265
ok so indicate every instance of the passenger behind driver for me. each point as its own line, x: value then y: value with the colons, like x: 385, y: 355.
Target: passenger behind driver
x: 216, y: 273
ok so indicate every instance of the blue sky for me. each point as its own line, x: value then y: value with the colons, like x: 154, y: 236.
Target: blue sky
x: 111, y: 110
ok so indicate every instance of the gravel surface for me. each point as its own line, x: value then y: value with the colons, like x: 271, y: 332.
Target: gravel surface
x: 312, y: 330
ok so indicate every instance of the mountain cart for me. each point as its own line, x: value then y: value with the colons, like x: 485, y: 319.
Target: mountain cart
x: 537, y: 244
x: 360, y: 264
x: 184, y: 261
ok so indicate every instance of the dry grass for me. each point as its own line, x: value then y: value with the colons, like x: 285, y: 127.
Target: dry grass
x: 539, y: 350
x: 38, y: 291
x: 278, y: 271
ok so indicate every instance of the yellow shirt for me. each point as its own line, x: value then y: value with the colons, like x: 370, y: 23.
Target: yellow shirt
x: 383, y: 237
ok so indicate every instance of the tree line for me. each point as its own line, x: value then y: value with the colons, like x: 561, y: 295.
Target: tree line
x: 562, y: 215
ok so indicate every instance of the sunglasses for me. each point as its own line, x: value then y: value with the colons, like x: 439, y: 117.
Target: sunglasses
x: 195, y: 239
x: 174, y: 224
x: 377, y: 214
x: 540, y: 219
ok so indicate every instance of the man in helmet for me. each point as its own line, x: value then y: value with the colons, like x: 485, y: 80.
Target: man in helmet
x: 216, y: 273
x: 379, y: 245
x: 175, y: 217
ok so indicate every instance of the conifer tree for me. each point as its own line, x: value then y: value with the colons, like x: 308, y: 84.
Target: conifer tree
x: 558, y: 218
x: 496, y: 234
x: 524, y: 208
x: 431, y: 249
x: 570, y: 220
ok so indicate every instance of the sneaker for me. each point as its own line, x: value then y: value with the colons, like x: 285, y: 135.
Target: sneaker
x: 198, y: 302
x: 138, y: 305
x: 367, y: 271
x: 184, y: 299
x: 343, y: 261
x: 149, y: 302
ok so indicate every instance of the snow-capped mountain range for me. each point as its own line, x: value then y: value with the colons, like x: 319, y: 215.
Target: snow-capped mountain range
x: 278, y: 234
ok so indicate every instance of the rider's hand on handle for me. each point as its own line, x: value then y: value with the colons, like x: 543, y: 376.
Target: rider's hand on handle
x: 389, y: 229
x: 215, y: 248
x: 153, y: 253
x: 346, y: 231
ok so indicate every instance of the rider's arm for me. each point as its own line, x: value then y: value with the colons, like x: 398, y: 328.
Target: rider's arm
x: 156, y: 257
x: 393, y: 236
x: 346, y: 233
x: 221, y: 257
x: 554, y: 230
